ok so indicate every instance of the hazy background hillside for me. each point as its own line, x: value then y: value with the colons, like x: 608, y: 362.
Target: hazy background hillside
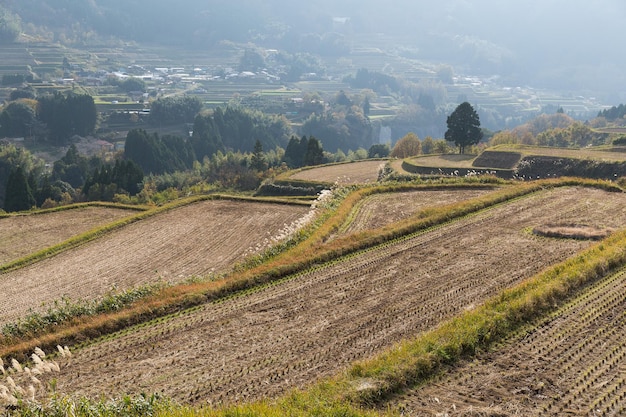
x: 558, y: 44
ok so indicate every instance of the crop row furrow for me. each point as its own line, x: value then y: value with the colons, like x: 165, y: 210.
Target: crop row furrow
x: 311, y: 324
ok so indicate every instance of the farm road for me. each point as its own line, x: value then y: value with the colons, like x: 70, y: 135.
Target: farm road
x: 314, y: 325
x: 194, y: 240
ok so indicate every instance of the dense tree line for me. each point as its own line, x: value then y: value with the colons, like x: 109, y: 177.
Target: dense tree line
x: 54, y: 116
x: 17, y: 118
x: 614, y: 113
x: 174, y: 110
x: 557, y: 130
x: 375, y: 81
x: 237, y: 129
x: 304, y: 152
x: 111, y: 179
x: 24, y: 183
x: 344, y: 127
x: 158, y: 154
x: 67, y: 115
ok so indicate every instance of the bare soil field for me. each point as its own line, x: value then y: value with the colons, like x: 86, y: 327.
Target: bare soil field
x: 293, y: 333
x: 24, y: 234
x: 379, y: 210
x: 445, y: 161
x: 570, y: 364
x: 351, y: 173
x: 191, y: 241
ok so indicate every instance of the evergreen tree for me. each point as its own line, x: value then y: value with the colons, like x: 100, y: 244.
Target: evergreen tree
x: 314, y: 153
x: 366, y: 107
x: 378, y: 150
x: 206, y: 140
x: 464, y: 127
x: 67, y: 115
x: 294, y: 157
x: 158, y: 155
x: 18, y: 196
x: 258, y: 158
x: 72, y: 168
x: 15, y: 119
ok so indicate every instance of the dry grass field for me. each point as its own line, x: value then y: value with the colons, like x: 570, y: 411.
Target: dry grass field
x: 191, y: 241
x: 350, y: 173
x: 315, y: 324
x: 22, y: 235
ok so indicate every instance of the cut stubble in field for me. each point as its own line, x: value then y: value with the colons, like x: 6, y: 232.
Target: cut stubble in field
x: 316, y: 324
x: 359, y: 172
x: 191, y: 241
x: 24, y: 234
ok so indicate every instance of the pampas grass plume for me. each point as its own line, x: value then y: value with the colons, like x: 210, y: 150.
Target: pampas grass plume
x: 31, y: 393
x: 40, y: 353
x: 11, y: 383
x: 16, y: 365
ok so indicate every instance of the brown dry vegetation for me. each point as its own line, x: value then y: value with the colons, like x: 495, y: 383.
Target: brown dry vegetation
x: 22, y: 235
x: 315, y: 324
x: 569, y: 364
x: 573, y: 231
x: 350, y: 173
x: 190, y: 241
x: 596, y: 154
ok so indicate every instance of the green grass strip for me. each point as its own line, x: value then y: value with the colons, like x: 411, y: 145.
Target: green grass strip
x: 76, y: 206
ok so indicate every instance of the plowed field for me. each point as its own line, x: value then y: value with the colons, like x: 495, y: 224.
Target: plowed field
x: 381, y: 209
x: 23, y: 235
x: 194, y: 240
x: 316, y: 323
x: 571, y: 364
x: 350, y: 173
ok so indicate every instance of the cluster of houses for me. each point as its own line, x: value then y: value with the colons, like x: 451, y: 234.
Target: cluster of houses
x: 162, y: 75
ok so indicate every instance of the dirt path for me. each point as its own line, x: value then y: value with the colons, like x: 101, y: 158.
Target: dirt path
x: 570, y: 364
x: 291, y: 334
x: 195, y: 240
x: 23, y: 235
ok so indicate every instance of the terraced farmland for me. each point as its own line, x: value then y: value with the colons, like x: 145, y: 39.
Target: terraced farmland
x: 316, y: 323
x: 194, y: 240
x: 24, y: 234
x: 571, y: 363
x: 381, y: 209
x: 350, y: 173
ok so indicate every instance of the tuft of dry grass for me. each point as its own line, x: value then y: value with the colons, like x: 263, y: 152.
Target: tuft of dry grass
x: 573, y: 231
